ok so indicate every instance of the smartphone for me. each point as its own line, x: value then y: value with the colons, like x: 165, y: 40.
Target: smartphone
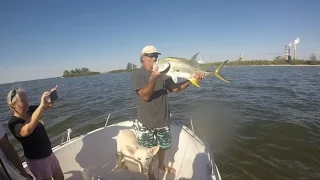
x: 53, y: 96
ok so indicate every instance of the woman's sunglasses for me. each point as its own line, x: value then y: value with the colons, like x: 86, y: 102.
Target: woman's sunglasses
x: 13, y: 93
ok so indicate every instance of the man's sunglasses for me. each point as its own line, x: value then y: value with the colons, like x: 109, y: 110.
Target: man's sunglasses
x: 152, y: 55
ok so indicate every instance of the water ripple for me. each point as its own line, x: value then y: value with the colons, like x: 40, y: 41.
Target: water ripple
x: 265, y: 124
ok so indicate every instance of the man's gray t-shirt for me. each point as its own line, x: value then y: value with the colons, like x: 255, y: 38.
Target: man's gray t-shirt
x: 155, y: 113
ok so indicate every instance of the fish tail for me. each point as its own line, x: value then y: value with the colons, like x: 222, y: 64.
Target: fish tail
x: 217, y: 72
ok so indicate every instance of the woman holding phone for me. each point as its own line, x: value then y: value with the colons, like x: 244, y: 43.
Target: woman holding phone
x: 26, y: 128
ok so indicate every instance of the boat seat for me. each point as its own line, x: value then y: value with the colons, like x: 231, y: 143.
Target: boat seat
x: 132, y: 164
x: 131, y: 169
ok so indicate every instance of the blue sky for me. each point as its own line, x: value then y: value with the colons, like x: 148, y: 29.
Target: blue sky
x: 40, y: 39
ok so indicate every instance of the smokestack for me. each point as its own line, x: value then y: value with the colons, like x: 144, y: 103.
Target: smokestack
x: 289, y: 55
x: 240, y: 57
x: 295, y: 47
x: 289, y: 51
x: 289, y: 48
x: 294, y: 52
x: 286, y: 52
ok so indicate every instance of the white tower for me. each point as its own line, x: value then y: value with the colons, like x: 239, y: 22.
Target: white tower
x: 295, y: 47
x: 240, y: 57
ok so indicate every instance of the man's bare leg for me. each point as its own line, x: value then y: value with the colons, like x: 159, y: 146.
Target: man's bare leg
x: 162, y: 166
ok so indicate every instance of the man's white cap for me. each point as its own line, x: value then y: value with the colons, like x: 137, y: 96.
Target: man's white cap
x: 149, y: 49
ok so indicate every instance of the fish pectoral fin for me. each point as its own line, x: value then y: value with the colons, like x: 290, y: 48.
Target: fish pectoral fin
x: 174, y: 78
x: 217, y: 72
x: 194, y: 82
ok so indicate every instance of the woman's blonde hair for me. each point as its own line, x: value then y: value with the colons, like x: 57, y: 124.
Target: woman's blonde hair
x: 13, y: 97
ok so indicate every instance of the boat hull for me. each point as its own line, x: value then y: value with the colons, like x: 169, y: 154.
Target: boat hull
x: 94, y: 154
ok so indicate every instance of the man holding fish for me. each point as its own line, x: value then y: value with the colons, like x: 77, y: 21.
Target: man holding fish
x: 151, y: 84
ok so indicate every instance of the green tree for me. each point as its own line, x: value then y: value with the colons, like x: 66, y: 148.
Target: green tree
x: 66, y: 73
x: 313, y: 57
x: 129, y: 66
x: 84, y: 70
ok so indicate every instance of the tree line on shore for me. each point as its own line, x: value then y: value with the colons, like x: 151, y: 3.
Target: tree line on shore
x: 130, y: 67
x: 279, y: 60
x: 78, y: 72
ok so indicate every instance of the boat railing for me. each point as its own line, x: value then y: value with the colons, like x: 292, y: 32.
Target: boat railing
x: 65, y: 136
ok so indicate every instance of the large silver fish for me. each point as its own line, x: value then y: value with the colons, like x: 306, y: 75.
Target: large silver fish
x: 184, y: 68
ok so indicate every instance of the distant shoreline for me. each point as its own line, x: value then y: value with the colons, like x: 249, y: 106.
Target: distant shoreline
x: 120, y: 71
x: 76, y: 75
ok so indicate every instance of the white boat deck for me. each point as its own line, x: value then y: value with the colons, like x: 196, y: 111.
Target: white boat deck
x: 94, y: 154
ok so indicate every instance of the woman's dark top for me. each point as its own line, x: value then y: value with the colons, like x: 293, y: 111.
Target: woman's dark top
x: 37, y: 145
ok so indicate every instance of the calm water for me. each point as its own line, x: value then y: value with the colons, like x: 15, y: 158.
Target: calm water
x: 265, y: 124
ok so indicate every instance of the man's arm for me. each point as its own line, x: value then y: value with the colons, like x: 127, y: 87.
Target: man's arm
x: 178, y: 87
x: 11, y: 154
x: 147, y: 92
x: 143, y: 89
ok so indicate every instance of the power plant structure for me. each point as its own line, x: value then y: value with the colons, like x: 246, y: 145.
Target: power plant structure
x: 295, y: 47
x: 240, y: 57
x: 287, y: 50
x: 287, y: 53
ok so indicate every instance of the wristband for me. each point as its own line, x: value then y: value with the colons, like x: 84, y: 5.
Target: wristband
x: 152, y: 79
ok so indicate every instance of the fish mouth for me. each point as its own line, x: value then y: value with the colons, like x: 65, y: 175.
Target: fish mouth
x: 154, y: 65
x: 164, y: 68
